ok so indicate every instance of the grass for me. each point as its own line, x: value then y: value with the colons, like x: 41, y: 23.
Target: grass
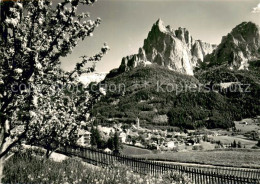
x: 207, y: 145
x: 230, y: 139
x: 237, y: 158
x: 246, y: 128
x: 25, y: 168
x: 132, y: 150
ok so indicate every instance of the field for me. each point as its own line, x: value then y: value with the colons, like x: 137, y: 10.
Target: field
x: 132, y: 150
x: 251, y: 126
x: 238, y: 158
x: 230, y: 139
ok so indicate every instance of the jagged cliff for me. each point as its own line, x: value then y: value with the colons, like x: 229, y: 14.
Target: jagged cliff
x: 237, y: 48
x: 174, y: 49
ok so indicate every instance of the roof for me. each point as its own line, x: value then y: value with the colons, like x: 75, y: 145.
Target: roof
x: 107, y: 150
x: 83, y: 132
x: 106, y: 130
x: 122, y: 134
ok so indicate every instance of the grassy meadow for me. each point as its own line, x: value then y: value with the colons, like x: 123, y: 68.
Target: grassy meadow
x: 132, y: 150
x: 230, y: 139
x: 251, y: 126
x: 238, y: 158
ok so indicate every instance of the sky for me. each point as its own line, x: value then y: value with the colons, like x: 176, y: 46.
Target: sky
x: 126, y: 23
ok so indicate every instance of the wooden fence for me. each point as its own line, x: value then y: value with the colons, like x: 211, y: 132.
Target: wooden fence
x: 200, y: 175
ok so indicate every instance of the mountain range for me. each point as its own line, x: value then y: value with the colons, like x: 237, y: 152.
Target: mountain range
x: 92, y: 77
x: 175, y: 80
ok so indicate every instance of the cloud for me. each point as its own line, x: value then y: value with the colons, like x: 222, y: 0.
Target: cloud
x: 256, y: 9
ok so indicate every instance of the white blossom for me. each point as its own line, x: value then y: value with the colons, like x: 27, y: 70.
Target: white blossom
x: 38, y: 66
x: 18, y: 70
x: 40, y: 4
x: 19, y: 5
x: 91, y: 22
x: 35, y: 101
x: 12, y: 10
x: 102, y: 91
x: 32, y: 114
x: 12, y: 21
x: 40, y: 21
x: 12, y: 51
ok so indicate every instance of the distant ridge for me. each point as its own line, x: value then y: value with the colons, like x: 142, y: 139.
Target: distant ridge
x: 92, y: 77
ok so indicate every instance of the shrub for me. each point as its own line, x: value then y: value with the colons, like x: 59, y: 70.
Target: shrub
x: 258, y: 143
x: 197, y: 147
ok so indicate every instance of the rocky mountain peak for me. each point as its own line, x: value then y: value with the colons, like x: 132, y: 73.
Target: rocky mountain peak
x: 174, y: 49
x: 246, y: 29
x: 184, y: 35
x: 238, y: 47
x: 159, y: 24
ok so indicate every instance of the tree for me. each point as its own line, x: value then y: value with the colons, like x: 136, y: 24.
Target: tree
x: 64, y: 111
x: 258, y: 143
x: 95, y: 139
x: 110, y: 143
x: 239, y: 144
x: 34, y: 36
x: 254, y: 135
x: 117, y: 143
x: 234, y: 144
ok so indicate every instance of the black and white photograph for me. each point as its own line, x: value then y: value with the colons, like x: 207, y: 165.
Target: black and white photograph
x: 129, y: 91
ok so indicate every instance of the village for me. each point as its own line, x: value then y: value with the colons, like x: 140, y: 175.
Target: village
x: 182, y: 140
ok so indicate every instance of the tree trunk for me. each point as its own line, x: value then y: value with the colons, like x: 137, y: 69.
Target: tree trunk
x: 2, y: 147
x: 49, y: 151
x: 47, y: 155
x: 2, y: 161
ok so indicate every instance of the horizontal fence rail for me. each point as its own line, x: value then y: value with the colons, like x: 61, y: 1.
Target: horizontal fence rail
x: 240, y: 172
x: 201, y: 175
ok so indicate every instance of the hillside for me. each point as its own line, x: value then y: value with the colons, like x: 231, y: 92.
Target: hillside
x: 140, y: 97
x: 157, y: 106
x: 240, y: 87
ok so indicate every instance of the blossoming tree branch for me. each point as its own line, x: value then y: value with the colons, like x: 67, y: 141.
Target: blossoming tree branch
x: 36, y: 103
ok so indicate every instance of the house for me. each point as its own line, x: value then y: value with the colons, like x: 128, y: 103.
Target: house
x: 107, y: 150
x: 190, y: 142
x: 106, y: 130
x: 84, y: 137
x: 244, y: 123
x: 138, y: 144
x: 153, y: 146
x: 176, y: 133
x: 170, y: 145
x: 122, y: 137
